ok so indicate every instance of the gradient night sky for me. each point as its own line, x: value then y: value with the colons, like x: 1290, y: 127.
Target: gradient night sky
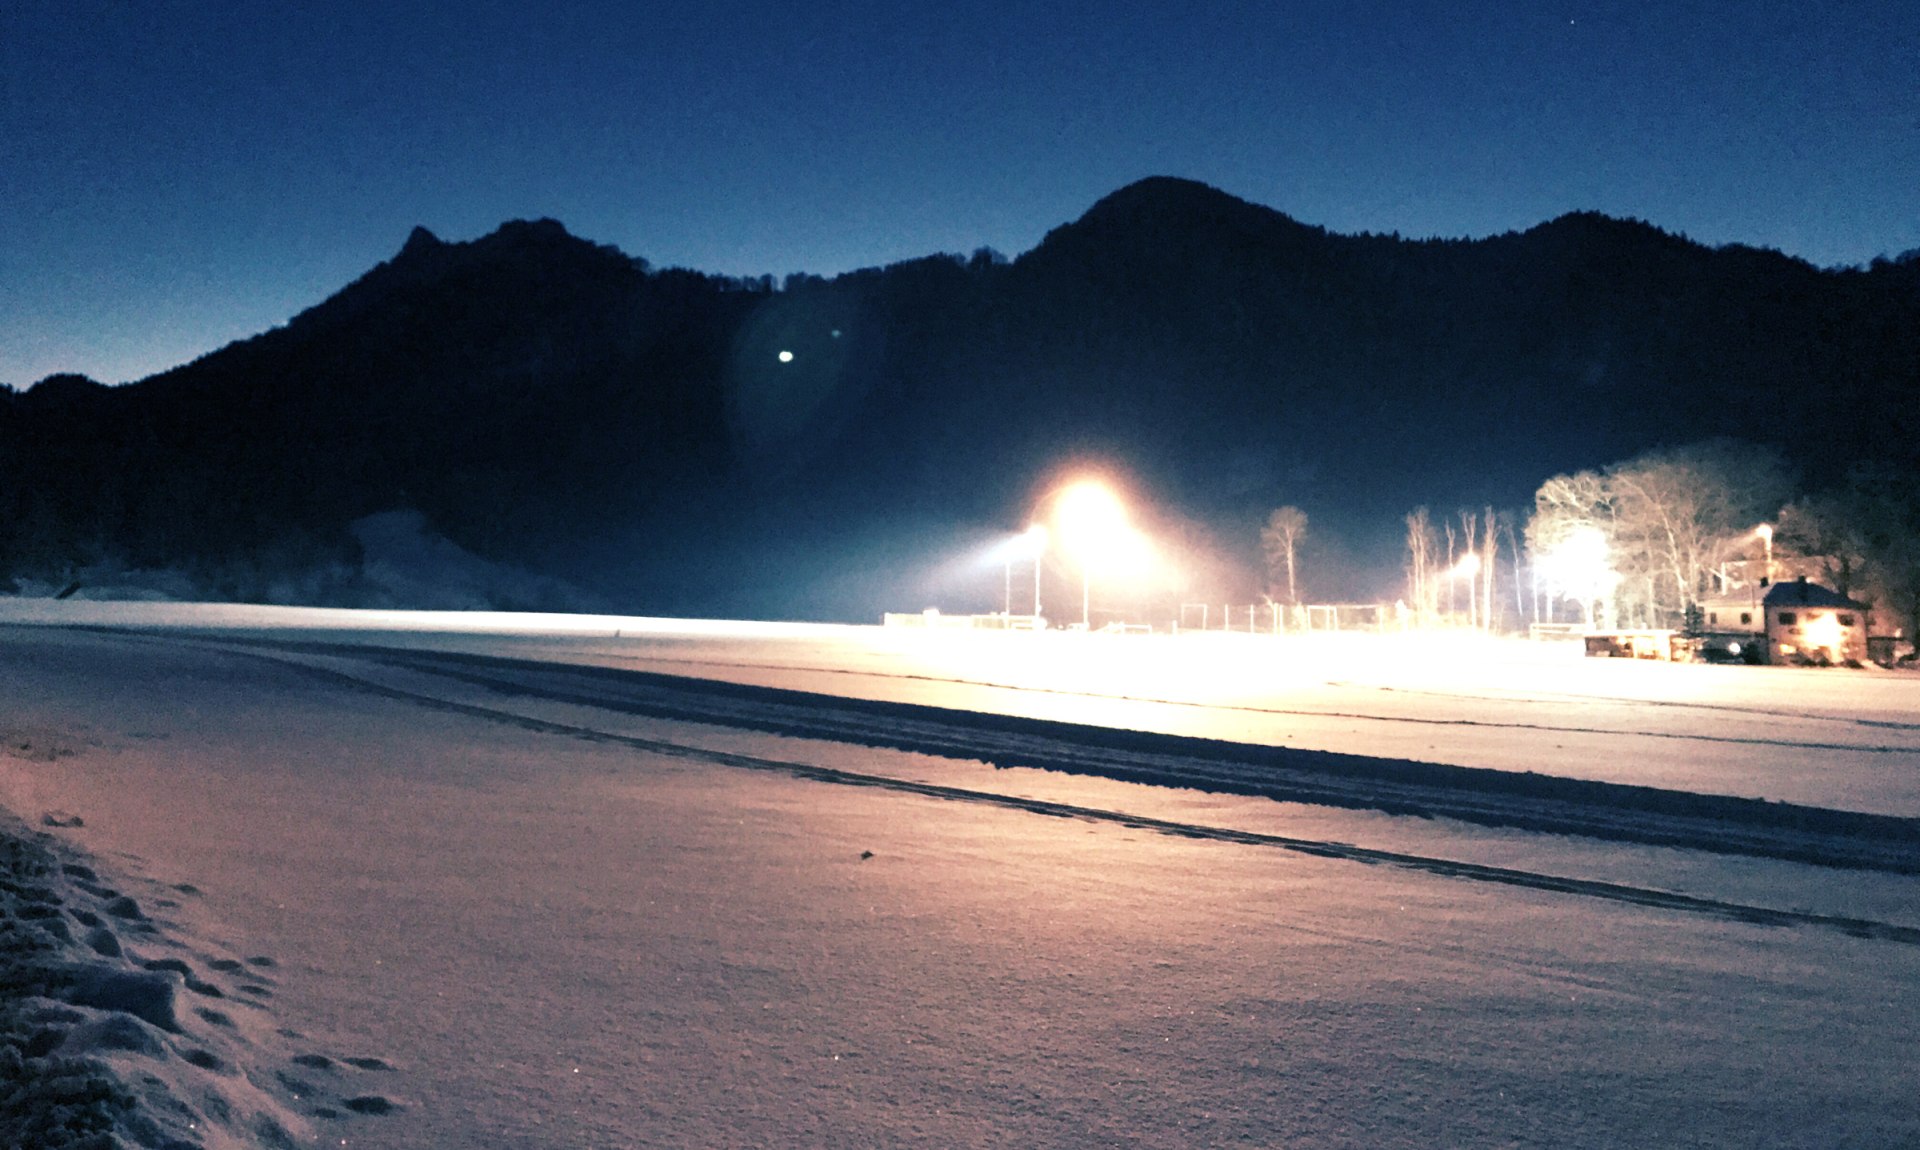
x: 175, y: 174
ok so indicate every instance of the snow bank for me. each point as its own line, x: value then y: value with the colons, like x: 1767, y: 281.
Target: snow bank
x: 113, y: 1031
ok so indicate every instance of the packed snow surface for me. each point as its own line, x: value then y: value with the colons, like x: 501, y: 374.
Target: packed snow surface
x: 540, y: 918
x: 1847, y: 739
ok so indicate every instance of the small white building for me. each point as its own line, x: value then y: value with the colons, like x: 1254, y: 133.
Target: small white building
x: 1796, y: 622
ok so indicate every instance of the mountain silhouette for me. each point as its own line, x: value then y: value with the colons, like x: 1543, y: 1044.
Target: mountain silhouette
x: 688, y: 443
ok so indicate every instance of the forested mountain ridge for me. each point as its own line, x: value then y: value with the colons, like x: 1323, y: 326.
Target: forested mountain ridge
x: 559, y: 405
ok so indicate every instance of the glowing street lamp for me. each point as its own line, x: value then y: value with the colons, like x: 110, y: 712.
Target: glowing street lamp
x: 1467, y: 568
x: 1765, y: 532
x: 1579, y: 564
x: 1093, y: 526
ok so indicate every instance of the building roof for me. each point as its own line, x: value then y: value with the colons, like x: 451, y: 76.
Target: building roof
x: 1801, y: 593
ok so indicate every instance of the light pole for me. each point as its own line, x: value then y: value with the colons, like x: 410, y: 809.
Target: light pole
x: 1093, y: 526
x: 1090, y: 517
x: 1037, y: 538
x: 1036, y: 587
x: 1765, y: 532
x: 1029, y: 544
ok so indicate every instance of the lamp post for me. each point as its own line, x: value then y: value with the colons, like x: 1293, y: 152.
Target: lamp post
x: 1765, y: 532
x: 1090, y: 517
x: 1031, y: 543
x: 1579, y: 563
x: 1093, y: 526
x: 1037, y: 539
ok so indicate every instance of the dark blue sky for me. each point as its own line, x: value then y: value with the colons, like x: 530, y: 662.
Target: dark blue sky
x: 175, y: 174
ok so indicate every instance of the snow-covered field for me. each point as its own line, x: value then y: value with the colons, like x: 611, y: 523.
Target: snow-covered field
x: 1825, y: 737
x: 542, y: 906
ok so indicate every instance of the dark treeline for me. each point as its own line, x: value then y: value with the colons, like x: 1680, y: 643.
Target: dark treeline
x: 555, y: 404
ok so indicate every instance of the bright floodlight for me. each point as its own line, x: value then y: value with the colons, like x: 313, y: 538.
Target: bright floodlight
x: 1094, y: 529
x: 786, y: 357
x: 1579, y: 566
x: 1091, y: 520
x: 1029, y: 544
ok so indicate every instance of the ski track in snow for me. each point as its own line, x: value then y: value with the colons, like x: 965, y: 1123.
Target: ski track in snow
x: 1545, y: 698
x: 1892, y: 844
x: 1364, y: 716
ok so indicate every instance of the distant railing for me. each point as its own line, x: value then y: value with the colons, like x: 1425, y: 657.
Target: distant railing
x: 1552, y: 632
x: 935, y: 620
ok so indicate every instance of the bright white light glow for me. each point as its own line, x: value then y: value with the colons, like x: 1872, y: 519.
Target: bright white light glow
x: 1578, y: 566
x: 1094, y: 529
x: 1028, y: 545
x: 1090, y: 507
x: 1821, y: 633
x: 786, y: 357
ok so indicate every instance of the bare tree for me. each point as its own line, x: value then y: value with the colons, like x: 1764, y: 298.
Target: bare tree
x: 1489, y: 566
x: 1280, y: 541
x: 1825, y: 529
x: 1665, y: 518
x: 1421, y: 546
x: 1569, y: 512
x: 1519, y: 585
x: 1682, y: 508
x: 1470, y: 536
